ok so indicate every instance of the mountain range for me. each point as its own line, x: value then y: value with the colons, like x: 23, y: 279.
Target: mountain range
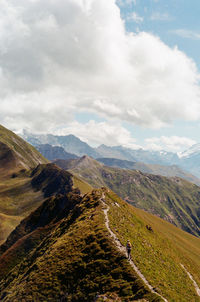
x: 54, y: 152
x: 188, y: 160
x: 69, y: 243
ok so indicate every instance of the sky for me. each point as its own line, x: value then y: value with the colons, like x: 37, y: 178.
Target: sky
x: 124, y: 72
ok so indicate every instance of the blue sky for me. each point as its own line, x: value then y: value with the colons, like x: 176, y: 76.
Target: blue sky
x: 176, y: 22
x: 116, y: 73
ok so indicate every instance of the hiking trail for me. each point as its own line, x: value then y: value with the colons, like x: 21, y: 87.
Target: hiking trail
x: 123, y: 249
x: 194, y: 282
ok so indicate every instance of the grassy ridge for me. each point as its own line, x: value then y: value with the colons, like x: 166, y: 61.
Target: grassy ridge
x: 158, y: 254
x: 74, y: 261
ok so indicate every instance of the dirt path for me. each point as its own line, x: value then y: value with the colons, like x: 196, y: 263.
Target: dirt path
x: 123, y: 249
x: 194, y: 282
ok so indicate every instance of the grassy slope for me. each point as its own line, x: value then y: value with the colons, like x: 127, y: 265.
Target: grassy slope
x: 77, y: 246
x: 173, y: 199
x: 26, y: 155
x: 21, y: 195
x: 159, y: 253
x: 7, y: 225
x: 17, y: 197
x: 69, y: 263
x: 83, y: 186
x: 17, y: 200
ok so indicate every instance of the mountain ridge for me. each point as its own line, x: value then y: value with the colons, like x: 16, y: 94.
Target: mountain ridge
x: 173, y: 199
x: 52, y: 255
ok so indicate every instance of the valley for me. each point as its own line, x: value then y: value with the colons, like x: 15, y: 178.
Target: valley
x: 172, y: 199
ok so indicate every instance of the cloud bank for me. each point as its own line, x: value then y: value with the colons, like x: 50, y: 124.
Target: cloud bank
x: 169, y: 143
x: 97, y: 133
x: 59, y: 57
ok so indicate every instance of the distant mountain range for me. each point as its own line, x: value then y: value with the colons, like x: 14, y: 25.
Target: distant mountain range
x: 52, y: 153
x: 168, y: 171
x: 70, y: 143
x: 188, y: 160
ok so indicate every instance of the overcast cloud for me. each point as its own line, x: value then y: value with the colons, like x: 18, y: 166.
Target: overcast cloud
x: 61, y: 56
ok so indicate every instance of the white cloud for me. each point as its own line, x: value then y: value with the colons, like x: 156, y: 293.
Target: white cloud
x: 171, y: 143
x: 61, y: 56
x: 96, y: 133
x: 189, y: 34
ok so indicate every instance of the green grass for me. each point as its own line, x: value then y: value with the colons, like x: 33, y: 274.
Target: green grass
x: 158, y: 254
x: 83, y: 186
x: 172, y: 199
x: 75, y: 260
x: 73, y: 255
x: 17, y: 200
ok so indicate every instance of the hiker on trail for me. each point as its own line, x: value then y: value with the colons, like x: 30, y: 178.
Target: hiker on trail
x: 128, y: 249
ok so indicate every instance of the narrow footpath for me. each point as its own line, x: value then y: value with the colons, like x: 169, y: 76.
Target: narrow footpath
x: 194, y: 282
x: 123, y: 249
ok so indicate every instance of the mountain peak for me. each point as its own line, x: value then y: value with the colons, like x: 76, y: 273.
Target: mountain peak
x: 87, y: 161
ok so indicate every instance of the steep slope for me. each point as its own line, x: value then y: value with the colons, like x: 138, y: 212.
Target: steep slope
x: 173, y: 199
x: 16, y: 154
x: 169, y: 171
x: 52, y: 153
x: 23, y: 193
x: 163, y: 248
x: 64, y: 252
x: 51, y: 258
